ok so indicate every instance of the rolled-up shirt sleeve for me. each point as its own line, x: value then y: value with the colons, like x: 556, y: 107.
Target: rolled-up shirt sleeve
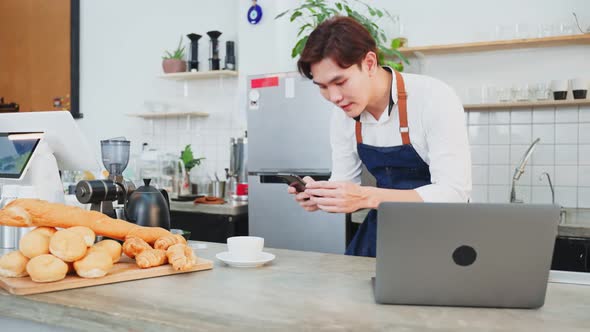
x: 346, y: 164
x: 448, y: 147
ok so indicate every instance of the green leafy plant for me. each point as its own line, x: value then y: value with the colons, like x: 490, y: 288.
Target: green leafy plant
x: 312, y: 13
x: 178, y: 53
x: 188, y: 158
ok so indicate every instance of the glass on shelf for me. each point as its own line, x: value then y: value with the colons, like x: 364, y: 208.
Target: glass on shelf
x: 504, y: 94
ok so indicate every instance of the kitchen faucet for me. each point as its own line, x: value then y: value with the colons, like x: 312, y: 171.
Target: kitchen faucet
x: 520, y: 169
x: 550, y: 185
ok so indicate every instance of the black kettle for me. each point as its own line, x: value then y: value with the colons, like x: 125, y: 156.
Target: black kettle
x: 148, y: 206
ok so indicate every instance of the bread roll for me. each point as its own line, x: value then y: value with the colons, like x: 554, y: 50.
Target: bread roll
x: 97, y: 263
x: 24, y: 212
x: 181, y: 257
x: 47, y: 268
x: 151, y: 258
x: 13, y: 265
x: 86, y: 233
x: 67, y: 245
x: 112, y: 247
x: 133, y: 246
x: 47, y: 231
x: 34, y: 244
x: 166, y: 241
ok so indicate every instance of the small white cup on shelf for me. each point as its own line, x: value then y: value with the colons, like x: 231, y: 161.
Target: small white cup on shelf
x: 559, y: 88
x: 579, y: 87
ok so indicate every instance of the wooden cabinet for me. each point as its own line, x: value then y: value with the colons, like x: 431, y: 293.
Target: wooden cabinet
x: 36, y: 53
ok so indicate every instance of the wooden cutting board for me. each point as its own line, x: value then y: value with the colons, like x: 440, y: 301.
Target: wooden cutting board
x: 125, y: 270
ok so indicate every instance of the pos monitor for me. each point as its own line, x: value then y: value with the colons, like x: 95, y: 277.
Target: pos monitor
x: 61, y: 146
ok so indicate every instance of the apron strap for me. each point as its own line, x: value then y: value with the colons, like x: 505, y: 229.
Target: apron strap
x: 358, y: 129
x: 402, y: 106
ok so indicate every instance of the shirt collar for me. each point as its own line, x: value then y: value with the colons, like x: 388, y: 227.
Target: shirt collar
x: 366, y: 117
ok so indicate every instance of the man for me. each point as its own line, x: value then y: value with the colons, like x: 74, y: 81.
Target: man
x: 408, y: 130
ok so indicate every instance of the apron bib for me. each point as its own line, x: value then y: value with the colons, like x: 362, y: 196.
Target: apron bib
x: 394, y: 167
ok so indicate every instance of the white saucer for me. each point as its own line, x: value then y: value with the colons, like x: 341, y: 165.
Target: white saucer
x: 226, y: 257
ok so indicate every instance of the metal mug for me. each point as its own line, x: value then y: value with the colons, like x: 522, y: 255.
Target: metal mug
x: 218, y: 189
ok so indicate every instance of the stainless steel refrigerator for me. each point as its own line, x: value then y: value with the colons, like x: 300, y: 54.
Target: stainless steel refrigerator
x: 289, y: 132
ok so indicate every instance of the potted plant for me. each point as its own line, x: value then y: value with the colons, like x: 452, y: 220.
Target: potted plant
x: 312, y: 13
x: 173, y: 62
x: 189, y: 161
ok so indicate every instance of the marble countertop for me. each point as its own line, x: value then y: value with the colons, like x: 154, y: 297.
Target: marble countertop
x: 230, y: 208
x: 575, y: 224
x: 297, y: 291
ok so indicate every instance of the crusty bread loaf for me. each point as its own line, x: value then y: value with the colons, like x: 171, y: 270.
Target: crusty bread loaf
x: 33, y: 212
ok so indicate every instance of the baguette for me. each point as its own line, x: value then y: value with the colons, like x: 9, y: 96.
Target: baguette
x: 33, y: 212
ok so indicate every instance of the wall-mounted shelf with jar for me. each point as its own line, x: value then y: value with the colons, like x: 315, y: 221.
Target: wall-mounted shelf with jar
x: 525, y: 104
x: 422, y: 51
x: 198, y: 75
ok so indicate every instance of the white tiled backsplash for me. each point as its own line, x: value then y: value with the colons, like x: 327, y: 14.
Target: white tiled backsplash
x: 209, y: 136
x: 499, y: 139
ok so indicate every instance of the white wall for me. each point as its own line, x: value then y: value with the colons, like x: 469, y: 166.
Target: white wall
x: 121, y: 47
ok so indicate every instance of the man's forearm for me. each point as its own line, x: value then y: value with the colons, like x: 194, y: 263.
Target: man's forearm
x: 374, y: 196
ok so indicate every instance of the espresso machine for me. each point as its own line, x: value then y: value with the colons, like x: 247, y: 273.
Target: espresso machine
x: 101, y: 194
x: 237, y: 173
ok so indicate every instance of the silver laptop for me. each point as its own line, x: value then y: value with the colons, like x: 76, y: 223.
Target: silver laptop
x: 482, y: 255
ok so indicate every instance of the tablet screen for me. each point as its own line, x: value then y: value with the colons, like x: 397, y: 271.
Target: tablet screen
x: 16, y: 150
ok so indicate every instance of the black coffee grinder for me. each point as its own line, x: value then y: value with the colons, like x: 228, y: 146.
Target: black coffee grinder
x: 193, y: 61
x: 102, y: 193
x: 230, y: 55
x: 146, y: 206
x: 214, y: 61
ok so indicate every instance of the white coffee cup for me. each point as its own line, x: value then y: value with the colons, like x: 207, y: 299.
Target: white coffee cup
x: 579, y: 84
x: 559, y: 85
x: 245, y: 248
x: 560, y: 88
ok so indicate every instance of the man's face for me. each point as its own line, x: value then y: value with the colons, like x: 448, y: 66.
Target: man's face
x: 347, y: 88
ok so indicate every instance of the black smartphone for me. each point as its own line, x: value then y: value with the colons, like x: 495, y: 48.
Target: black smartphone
x: 294, y: 181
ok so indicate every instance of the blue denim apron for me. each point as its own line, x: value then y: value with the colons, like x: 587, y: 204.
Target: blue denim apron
x: 394, y: 167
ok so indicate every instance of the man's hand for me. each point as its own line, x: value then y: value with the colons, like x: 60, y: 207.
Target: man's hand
x: 304, y: 199
x: 341, y: 197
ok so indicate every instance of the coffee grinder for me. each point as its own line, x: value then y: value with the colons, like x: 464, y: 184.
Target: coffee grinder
x: 102, y: 193
x: 214, y: 61
x: 193, y: 61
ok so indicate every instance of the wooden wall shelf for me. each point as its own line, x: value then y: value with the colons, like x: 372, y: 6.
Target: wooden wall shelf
x: 200, y: 75
x: 497, y: 45
x: 155, y: 115
x: 531, y: 104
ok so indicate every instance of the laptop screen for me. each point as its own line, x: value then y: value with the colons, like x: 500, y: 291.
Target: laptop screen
x: 16, y: 150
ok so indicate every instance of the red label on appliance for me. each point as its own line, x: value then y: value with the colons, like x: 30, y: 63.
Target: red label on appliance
x: 264, y: 82
x: 242, y: 189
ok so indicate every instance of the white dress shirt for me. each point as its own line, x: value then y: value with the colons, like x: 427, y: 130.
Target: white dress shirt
x: 437, y: 132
